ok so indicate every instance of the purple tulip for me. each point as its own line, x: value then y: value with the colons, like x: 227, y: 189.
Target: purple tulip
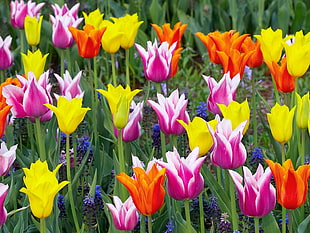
x: 28, y: 100
x: 228, y: 151
x: 6, y: 56
x: 222, y: 92
x: 157, y: 60
x: 169, y: 110
x: 184, y: 178
x: 7, y: 158
x: 19, y: 10
x: 125, y: 215
x: 63, y: 19
x: 257, y: 197
x: 4, y: 188
x: 132, y: 130
x: 70, y: 88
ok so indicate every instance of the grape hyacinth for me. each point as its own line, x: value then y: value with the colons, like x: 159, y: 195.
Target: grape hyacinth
x: 98, y: 199
x: 257, y: 158
x: 61, y: 206
x: 89, y: 211
x: 156, y: 139
x: 170, y: 226
x: 201, y: 110
x: 224, y: 225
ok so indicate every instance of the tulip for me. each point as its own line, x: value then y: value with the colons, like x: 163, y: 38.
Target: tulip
x: 34, y: 62
x: 228, y: 151
x: 129, y: 26
x: 112, y: 38
x: 257, y: 196
x: 271, y: 44
x: 41, y: 188
x: 4, y: 112
x: 184, y: 178
x: 6, y: 56
x: 69, y: 113
x: 125, y: 215
x: 19, y: 10
x: 88, y: 40
x: 291, y: 185
x: 119, y: 100
x: 302, y: 111
x: 4, y: 188
x: 222, y: 92
x: 298, y: 54
x: 7, y: 158
x: 33, y: 30
x: 237, y: 113
x: 70, y: 88
x: 132, y: 130
x: 198, y: 134
x: 94, y: 18
x: 284, y: 81
x: 169, y: 111
x: 146, y: 189
x: 280, y: 120
x: 28, y: 100
x: 8, y: 81
x: 64, y: 10
x: 256, y: 57
x: 136, y: 162
x: 157, y: 61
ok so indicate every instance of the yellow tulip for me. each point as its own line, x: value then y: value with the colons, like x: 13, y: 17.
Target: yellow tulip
x: 271, y: 44
x: 69, y: 113
x: 129, y: 26
x: 236, y: 113
x: 34, y: 62
x: 119, y: 100
x: 33, y: 29
x: 298, y: 54
x: 280, y: 120
x: 111, y: 40
x: 303, y: 109
x: 198, y: 134
x: 41, y: 188
x: 94, y: 18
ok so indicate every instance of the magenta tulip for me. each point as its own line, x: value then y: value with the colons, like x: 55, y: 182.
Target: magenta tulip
x: 7, y: 158
x: 156, y: 60
x: 61, y: 11
x: 4, y: 188
x: 228, y: 151
x: 257, y: 196
x: 125, y: 215
x: 169, y: 110
x: 70, y: 88
x: 184, y: 178
x: 6, y: 56
x: 222, y: 92
x: 29, y: 100
x: 19, y: 10
x: 132, y: 130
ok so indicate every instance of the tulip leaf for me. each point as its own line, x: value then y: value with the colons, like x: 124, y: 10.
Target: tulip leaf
x: 269, y: 224
x: 304, y: 226
x: 300, y: 15
x: 181, y: 224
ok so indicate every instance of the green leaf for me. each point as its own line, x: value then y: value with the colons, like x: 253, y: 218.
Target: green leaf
x: 181, y: 224
x: 304, y: 226
x: 269, y: 224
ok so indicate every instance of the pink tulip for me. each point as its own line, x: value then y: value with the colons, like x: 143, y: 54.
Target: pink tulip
x: 157, y: 60
x: 228, y: 151
x: 222, y: 92
x: 132, y: 130
x: 63, y: 19
x: 28, y: 100
x: 4, y: 188
x: 6, y: 56
x: 125, y: 215
x: 169, y: 110
x: 19, y: 10
x: 184, y: 178
x: 70, y: 88
x: 136, y: 162
x: 257, y: 197
x: 7, y: 158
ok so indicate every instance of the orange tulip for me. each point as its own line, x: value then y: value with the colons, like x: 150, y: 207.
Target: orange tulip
x: 8, y: 81
x: 284, y: 81
x: 291, y: 185
x: 256, y: 58
x: 174, y: 63
x: 146, y: 189
x: 4, y: 111
x: 88, y: 40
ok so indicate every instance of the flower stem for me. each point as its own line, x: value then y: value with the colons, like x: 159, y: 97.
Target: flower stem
x: 113, y: 69
x: 233, y: 204
x: 22, y: 41
x: 142, y: 224
x: 163, y: 145
x: 121, y: 161
x: 283, y: 220
x: 149, y: 223
x: 62, y: 62
x: 95, y: 102
x: 187, y: 215
x: 2, y: 76
x: 256, y: 223
x: 40, y: 138
x: 290, y: 221
x: 42, y: 225
x: 201, y: 214
x: 70, y: 193
x: 127, y: 66
x: 283, y: 152
x: 254, y: 106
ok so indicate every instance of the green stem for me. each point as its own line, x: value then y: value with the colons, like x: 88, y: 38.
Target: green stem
x: 62, y: 63
x: 283, y: 152
x: 233, y: 12
x: 187, y: 215
x: 2, y: 76
x: 70, y: 193
x: 40, y: 139
x: 95, y: 102
x: 113, y: 69
x: 201, y: 214
x: 233, y: 204
x: 127, y: 66
x: 256, y: 223
x: 42, y: 225
x: 260, y: 14
x: 290, y: 221
x: 163, y: 145
x: 219, y: 175
x: 149, y: 223
x: 22, y: 41
x: 142, y: 224
x: 276, y: 92
x: 121, y: 159
x: 254, y: 107
x: 283, y: 220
